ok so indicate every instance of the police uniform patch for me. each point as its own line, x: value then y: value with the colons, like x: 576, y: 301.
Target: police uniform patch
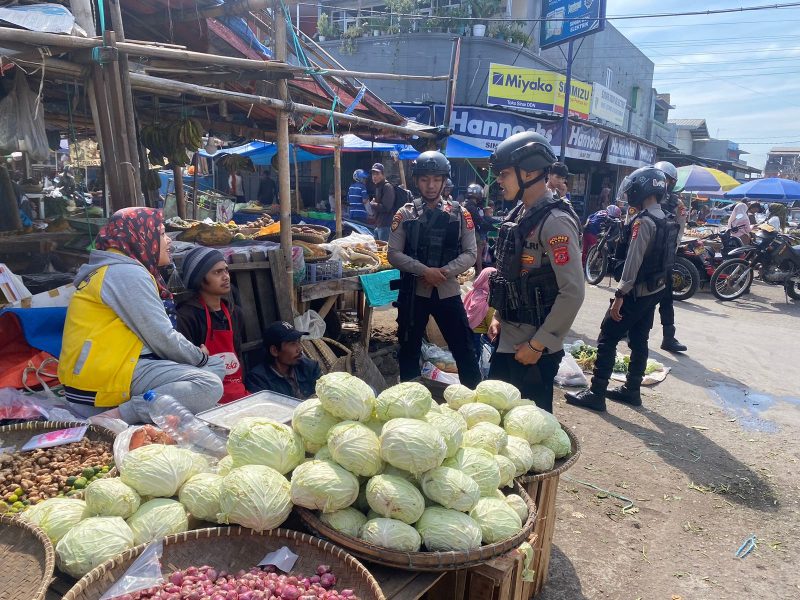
x: 558, y: 240
x: 635, y: 231
x: 561, y: 254
x: 396, y: 220
x: 631, y: 210
x: 468, y: 218
x: 527, y: 259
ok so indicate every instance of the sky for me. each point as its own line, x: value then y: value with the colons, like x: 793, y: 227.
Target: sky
x: 740, y: 71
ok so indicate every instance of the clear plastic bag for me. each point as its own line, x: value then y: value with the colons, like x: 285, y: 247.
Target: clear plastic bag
x: 22, y: 121
x: 312, y: 322
x: 144, y: 573
x: 569, y: 373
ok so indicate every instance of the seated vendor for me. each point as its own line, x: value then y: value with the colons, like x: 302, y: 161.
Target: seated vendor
x: 119, y: 336
x: 285, y: 370
x: 210, y: 319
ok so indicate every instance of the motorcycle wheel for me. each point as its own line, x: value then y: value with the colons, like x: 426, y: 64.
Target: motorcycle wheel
x: 792, y: 289
x: 596, y: 265
x: 736, y: 270
x: 685, y: 279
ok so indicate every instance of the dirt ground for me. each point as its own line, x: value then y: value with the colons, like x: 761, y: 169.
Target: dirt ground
x: 710, y: 459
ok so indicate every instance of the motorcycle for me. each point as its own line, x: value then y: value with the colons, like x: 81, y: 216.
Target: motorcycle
x: 772, y: 253
x: 601, y: 256
x: 696, y: 261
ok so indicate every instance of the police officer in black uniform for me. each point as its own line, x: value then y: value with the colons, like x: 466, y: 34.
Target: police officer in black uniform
x: 538, y: 287
x: 432, y: 241
x: 649, y: 251
x: 674, y: 209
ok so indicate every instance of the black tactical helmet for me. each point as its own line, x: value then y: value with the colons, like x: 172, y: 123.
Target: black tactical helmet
x: 448, y: 185
x: 475, y: 191
x: 431, y: 163
x: 644, y: 182
x: 527, y: 150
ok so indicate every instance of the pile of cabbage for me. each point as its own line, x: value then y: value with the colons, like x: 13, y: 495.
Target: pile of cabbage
x: 402, y: 472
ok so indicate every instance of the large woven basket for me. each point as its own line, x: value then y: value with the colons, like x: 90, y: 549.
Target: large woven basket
x: 231, y: 549
x: 561, y: 465
x: 330, y: 354
x: 423, y: 561
x: 27, y: 560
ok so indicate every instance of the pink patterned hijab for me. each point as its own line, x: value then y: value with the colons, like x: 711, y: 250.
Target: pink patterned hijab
x: 476, y: 302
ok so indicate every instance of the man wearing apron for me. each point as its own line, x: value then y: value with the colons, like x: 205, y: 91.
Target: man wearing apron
x: 209, y: 319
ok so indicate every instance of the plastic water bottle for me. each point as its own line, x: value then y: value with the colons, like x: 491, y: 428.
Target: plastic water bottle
x: 186, y: 429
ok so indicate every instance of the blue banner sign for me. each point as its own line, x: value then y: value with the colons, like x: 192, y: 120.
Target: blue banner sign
x: 565, y: 20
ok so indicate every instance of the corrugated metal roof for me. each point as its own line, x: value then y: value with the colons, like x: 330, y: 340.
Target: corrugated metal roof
x: 786, y: 150
x: 687, y: 122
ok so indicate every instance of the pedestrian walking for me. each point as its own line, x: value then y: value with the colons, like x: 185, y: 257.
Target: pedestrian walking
x: 432, y: 241
x: 538, y: 288
x: 650, y: 241
x: 383, y: 203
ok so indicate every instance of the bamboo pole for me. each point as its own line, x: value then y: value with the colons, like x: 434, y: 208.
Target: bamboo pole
x: 315, y: 140
x: 297, y: 198
x: 402, y: 169
x: 180, y: 192
x: 284, y: 180
x: 337, y: 187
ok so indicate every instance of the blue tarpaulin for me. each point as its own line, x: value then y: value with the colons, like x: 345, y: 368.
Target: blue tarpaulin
x: 455, y: 148
x: 261, y: 153
x: 43, y: 327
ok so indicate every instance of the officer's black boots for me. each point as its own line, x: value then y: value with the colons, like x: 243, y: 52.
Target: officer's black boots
x: 670, y: 344
x: 627, y: 394
x: 587, y: 399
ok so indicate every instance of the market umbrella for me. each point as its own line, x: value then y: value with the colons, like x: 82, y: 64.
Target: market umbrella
x: 695, y: 178
x: 771, y: 188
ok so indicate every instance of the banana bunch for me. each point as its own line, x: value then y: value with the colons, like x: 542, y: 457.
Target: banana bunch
x: 236, y: 162
x: 171, y: 142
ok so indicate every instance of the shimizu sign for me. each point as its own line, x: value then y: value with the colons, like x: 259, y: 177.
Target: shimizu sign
x: 534, y: 89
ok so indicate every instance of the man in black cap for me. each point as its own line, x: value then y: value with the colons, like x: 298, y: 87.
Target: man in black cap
x: 285, y: 369
x: 383, y: 203
x: 557, y: 180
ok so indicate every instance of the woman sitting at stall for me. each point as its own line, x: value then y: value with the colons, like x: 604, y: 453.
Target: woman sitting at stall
x: 208, y: 318
x: 740, y: 220
x: 119, y: 337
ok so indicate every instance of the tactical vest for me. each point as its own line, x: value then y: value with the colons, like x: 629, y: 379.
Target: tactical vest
x: 660, y: 256
x: 529, y: 296
x: 437, y: 241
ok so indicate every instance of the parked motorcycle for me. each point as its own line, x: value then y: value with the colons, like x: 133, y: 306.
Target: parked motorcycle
x: 704, y: 256
x: 772, y: 253
x: 600, y: 258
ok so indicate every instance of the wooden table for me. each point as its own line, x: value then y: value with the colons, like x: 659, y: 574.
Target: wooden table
x: 331, y: 290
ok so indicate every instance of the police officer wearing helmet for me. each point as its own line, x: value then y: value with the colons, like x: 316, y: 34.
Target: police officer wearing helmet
x: 674, y: 209
x: 432, y: 241
x: 538, y: 287
x: 483, y: 223
x: 649, y: 247
x: 448, y: 189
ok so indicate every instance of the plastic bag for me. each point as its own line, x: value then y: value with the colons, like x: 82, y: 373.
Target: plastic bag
x: 312, y: 322
x: 487, y: 350
x: 569, y: 373
x: 22, y: 121
x: 433, y: 373
x: 16, y: 406
x: 145, y: 572
x: 441, y: 358
x: 298, y: 265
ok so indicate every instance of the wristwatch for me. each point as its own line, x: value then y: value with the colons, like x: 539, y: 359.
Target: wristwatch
x: 619, y: 294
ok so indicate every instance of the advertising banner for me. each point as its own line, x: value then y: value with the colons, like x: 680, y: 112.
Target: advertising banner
x: 608, y: 105
x: 622, y: 151
x: 647, y: 154
x: 586, y: 142
x: 566, y: 20
x: 534, y: 89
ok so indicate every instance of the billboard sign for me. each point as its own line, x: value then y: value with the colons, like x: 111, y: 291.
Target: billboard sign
x: 586, y: 142
x: 622, y: 151
x: 534, y: 89
x: 607, y: 105
x: 565, y: 20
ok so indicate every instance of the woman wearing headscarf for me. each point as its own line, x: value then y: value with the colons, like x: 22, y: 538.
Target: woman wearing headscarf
x: 476, y: 305
x: 119, y: 336
x: 740, y: 220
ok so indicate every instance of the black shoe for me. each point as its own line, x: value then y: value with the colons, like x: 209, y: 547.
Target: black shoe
x: 672, y: 345
x: 626, y: 395
x: 586, y: 399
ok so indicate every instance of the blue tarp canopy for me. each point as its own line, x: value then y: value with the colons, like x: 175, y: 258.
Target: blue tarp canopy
x: 261, y: 153
x: 455, y: 148
x: 771, y: 188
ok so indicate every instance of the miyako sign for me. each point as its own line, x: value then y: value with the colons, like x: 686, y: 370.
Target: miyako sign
x: 534, y: 89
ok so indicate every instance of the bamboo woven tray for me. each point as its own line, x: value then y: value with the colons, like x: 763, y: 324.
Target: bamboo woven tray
x: 231, y: 549
x: 27, y: 558
x: 561, y: 465
x: 423, y: 561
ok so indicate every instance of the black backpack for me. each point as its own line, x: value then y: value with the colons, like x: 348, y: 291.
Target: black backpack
x: 401, y: 197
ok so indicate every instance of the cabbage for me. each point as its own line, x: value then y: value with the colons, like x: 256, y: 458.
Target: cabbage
x: 519, y: 505
x: 395, y: 498
x: 200, y: 495
x: 92, y: 542
x: 443, y: 529
x: 323, y: 453
x: 489, y: 437
x: 348, y: 520
x: 254, y: 496
x: 391, y: 533
x: 311, y: 447
x: 451, y: 428
x: 519, y: 451
x: 458, y: 395
x: 543, y: 459
x: 371, y: 514
x: 411, y: 445
x: 390, y: 470
x: 451, y: 488
x: 323, y: 485
x: 345, y: 396
x: 478, y: 464
x: 559, y: 443
x: 56, y: 516
x: 356, y: 447
x: 446, y: 410
x: 262, y: 441
x: 157, y: 470
x: 499, y: 394
x: 479, y: 413
x: 111, y: 497
x: 435, y: 406
x: 530, y: 423
x: 157, y: 518
x: 201, y: 463
x: 507, y: 470
x: 410, y: 400
x: 653, y: 366
x: 376, y: 426
x: 497, y: 520
x: 312, y: 422
x: 224, y: 465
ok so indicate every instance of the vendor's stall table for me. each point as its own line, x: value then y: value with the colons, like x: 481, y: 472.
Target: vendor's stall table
x: 331, y: 290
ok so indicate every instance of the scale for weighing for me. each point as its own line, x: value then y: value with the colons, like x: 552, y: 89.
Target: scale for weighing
x: 261, y: 404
